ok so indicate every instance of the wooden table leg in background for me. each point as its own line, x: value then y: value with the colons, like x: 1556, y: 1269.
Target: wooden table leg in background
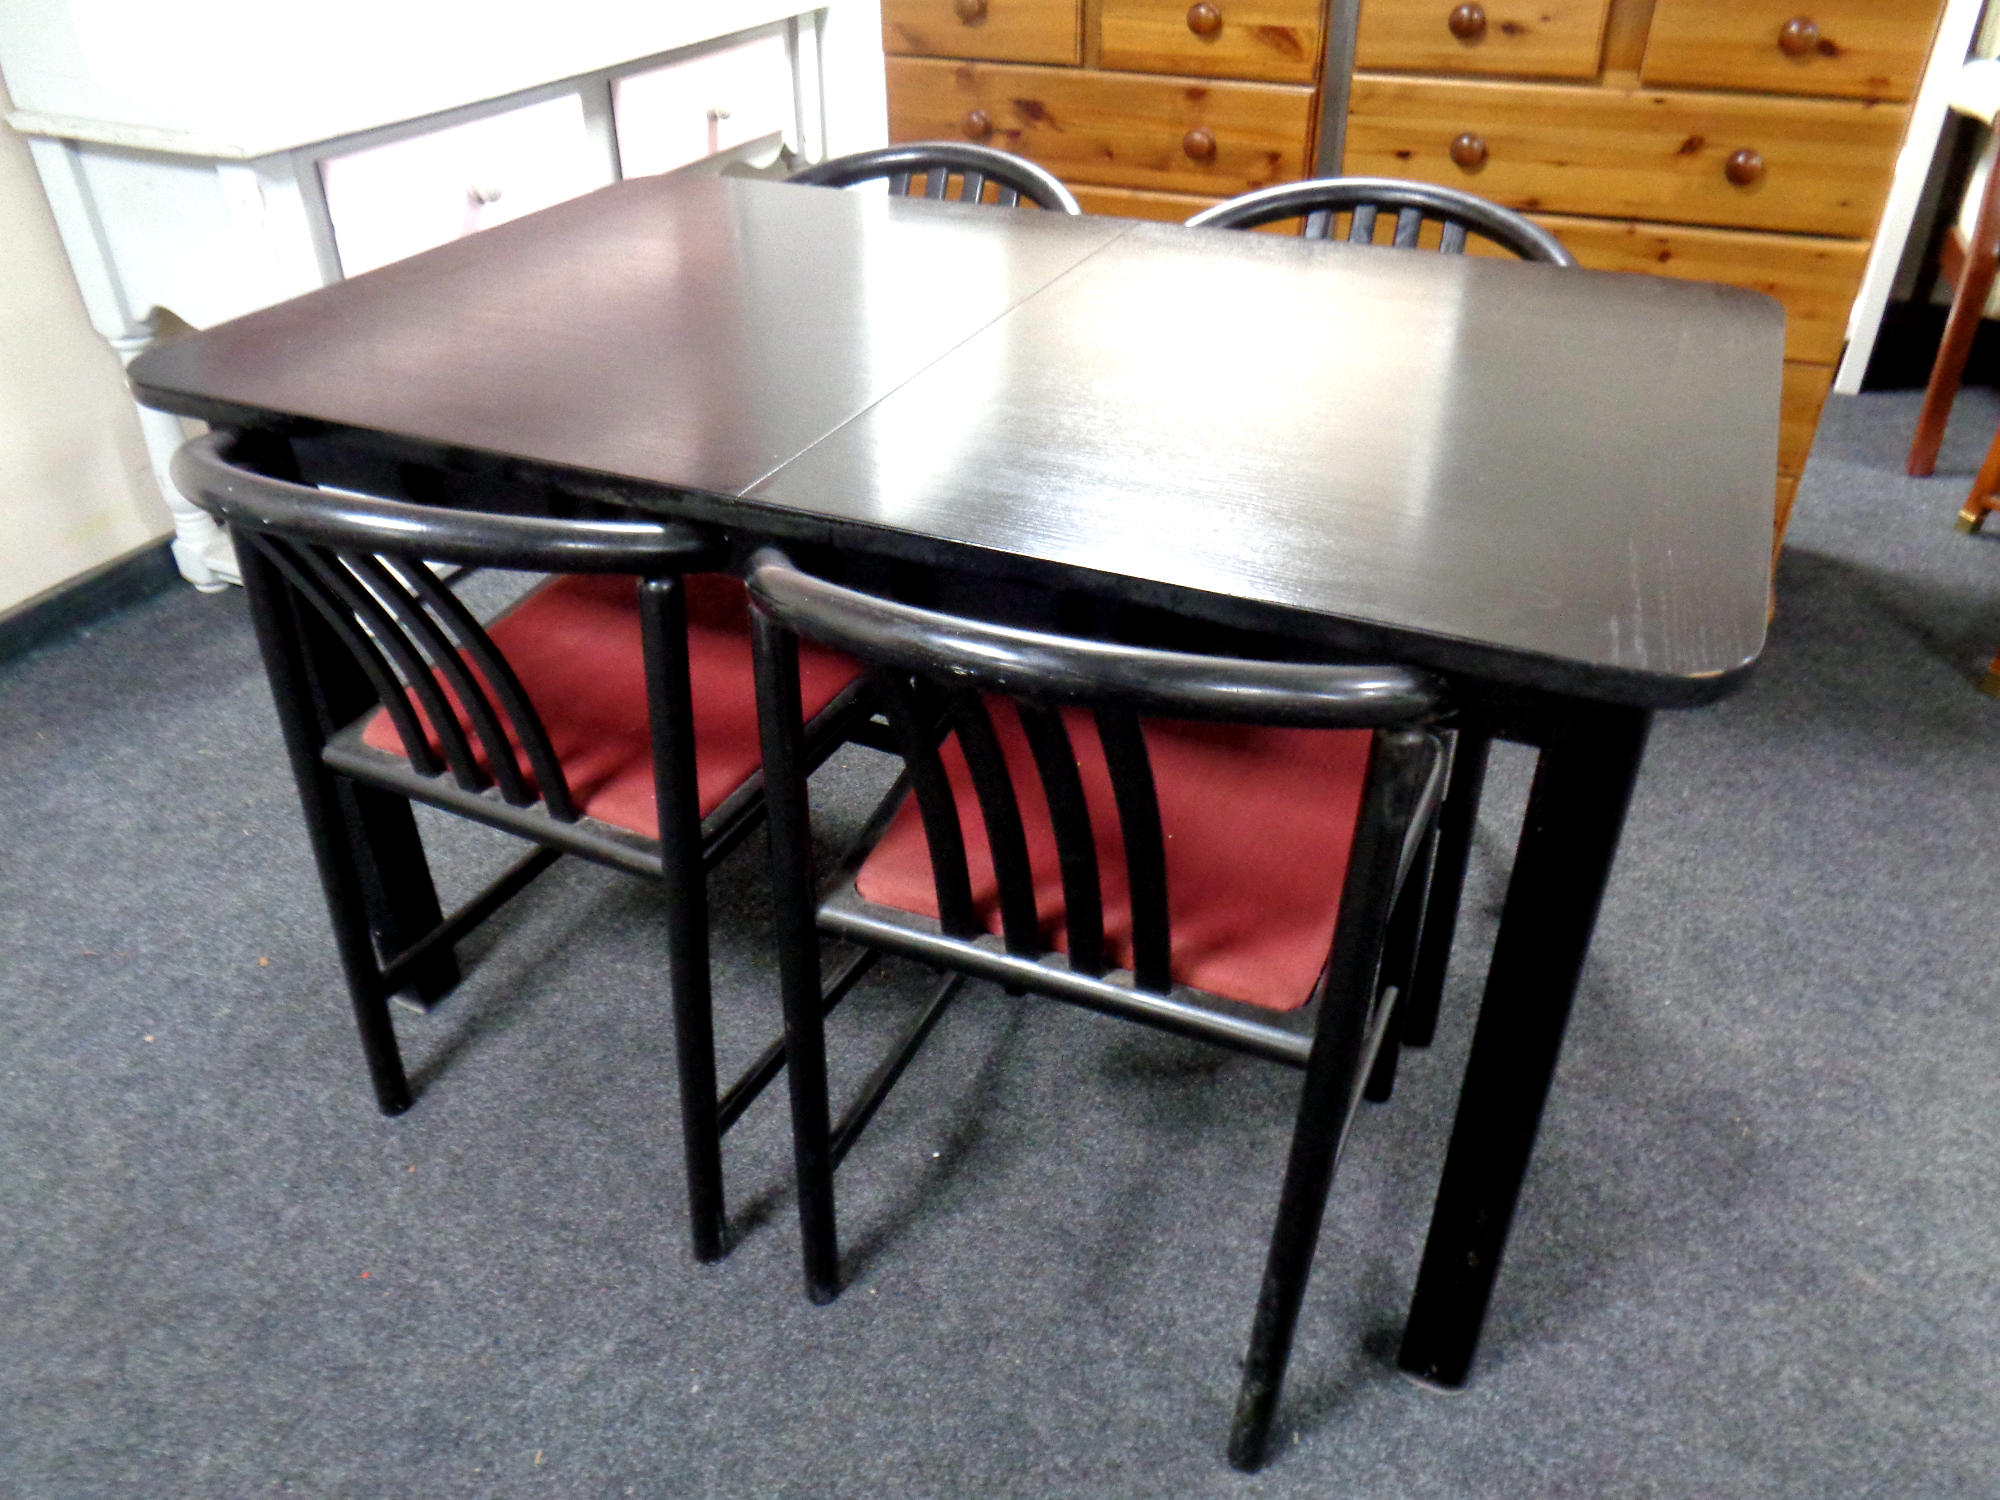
x: 1968, y: 306
x: 1972, y: 515
x: 1576, y: 810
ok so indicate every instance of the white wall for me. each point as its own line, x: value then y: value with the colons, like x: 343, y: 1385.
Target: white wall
x: 76, y: 488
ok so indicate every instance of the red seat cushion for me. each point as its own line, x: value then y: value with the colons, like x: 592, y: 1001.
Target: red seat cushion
x: 1258, y: 826
x: 574, y: 643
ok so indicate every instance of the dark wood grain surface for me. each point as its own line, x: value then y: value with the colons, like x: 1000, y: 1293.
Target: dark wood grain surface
x: 1554, y: 478
x: 690, y: 333
x: 1517, y: 459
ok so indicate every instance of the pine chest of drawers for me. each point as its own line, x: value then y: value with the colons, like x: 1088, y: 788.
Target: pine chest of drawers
x: 1748, y: 141
x: 1143, y: 108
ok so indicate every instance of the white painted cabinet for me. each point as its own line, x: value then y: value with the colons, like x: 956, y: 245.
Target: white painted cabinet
x: 735, y: 97
x: 385, y: 202
x: 205, y: 158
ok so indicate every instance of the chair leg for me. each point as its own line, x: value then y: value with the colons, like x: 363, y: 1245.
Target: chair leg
x: 1333, y: 1083
x: 663, y: 633
x: 1325, y: 1105
x: 1972, y: 515
x: 694, y: 1057
x: 1968, y: 306
x: 788, y: 827
x: 1458, y: 820
x: 345, y: 888
x: 347, y: 905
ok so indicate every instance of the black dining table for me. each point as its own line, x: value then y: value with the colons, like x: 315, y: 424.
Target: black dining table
x: 1552, y: 487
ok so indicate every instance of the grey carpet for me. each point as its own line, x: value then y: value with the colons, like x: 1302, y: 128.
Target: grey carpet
x: 1756, y: 1256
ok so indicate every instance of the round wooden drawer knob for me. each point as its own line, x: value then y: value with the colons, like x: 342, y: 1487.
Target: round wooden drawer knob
x: 1199, y: 144
x: 1744, y: 168
x: 1798, y: 36
x: 1467, y: 22
x: 1468, y: 151
x: 1204, y: 19
x: 978, y: 124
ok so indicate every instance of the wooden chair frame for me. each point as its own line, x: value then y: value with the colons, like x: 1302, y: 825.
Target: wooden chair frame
x: 931, y: 672
x: 348, y: 620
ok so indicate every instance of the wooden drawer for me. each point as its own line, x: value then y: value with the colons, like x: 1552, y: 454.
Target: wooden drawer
x: 1824, y: 164
x: 1043, y: 31
x: 1862, y: 49
x: 1804, y: 394
x: 1555, y: 39
x: 1277, y: 40
x: 1815, y: 279
x: 1118, y: 129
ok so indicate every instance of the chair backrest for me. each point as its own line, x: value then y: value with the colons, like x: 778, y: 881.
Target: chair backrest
x: 937, y: 162
x: 1320, y: 201
x: 933, y: 670
x: 357, y: 564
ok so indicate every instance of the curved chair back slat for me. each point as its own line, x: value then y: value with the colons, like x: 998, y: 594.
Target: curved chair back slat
x: 1006, y: 836
x: 389, y: 690
x: 938, y: 162
x: 505, y: 685
x: 1318, y: 201
x: 931, y: 786
x: 387, y: 587
x: 417, y: 671
x: 410, y: 663
x: 1138, y: 804
x: 1076, y: 845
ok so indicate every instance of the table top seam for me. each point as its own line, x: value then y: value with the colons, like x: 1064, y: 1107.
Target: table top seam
x: 748, y: 490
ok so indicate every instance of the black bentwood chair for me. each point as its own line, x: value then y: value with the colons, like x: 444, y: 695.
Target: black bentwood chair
x: 611, y: 714
x: 1363, y: 204
x: 1211, y: 846
x: 937, y: 162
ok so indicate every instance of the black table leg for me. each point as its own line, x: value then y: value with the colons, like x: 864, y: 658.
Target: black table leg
x: 1576, y: 809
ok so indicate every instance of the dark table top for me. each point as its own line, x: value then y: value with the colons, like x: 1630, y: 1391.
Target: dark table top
x: 1560, y: 479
